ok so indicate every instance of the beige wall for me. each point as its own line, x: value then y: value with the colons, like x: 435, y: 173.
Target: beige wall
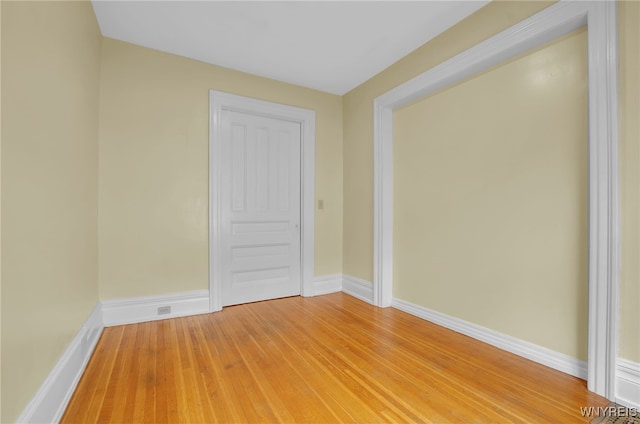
x: 490, y: 192
x: 50, y: 81
x: 358, y: 120
x: 495, y: 17
x: 154, y: 168
x: 630, y: 179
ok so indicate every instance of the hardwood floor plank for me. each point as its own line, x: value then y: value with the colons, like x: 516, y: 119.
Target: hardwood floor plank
x: 327, y: 359
x: 112, y: 379
x: 98, y: 370
x: 384, y: 363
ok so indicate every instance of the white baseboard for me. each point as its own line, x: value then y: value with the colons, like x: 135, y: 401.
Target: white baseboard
x: 326, y: 284
x: 143, y: 309
x: 628, y: 383
x: 51, y: 399
x: 356, y: 287
x: 536, y: 353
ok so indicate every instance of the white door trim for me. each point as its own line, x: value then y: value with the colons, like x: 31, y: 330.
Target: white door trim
x: 219, y: 101
x: 554, y: 21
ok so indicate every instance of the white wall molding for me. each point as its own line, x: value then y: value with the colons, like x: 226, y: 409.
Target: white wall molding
x: 358, y: 288
x: 219, y: 101
x: 552, y: 22
x: 51, y: 399
x: 142, y: 309
x: 326, y: 284
x: 536, y: 353
x: 628, y: 384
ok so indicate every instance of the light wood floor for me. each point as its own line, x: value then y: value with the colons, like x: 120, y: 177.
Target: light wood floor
x: 326, y: 359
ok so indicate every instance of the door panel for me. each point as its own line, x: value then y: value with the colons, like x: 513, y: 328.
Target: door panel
x: 260, y: 208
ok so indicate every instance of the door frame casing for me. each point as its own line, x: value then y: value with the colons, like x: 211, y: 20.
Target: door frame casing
x: 600, y: 19
x: 220, y: 101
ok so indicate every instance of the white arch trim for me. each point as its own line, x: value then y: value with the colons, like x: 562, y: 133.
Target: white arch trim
x: 600, y: 19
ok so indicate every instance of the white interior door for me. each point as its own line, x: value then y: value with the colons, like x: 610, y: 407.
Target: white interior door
x: 260, y: 208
